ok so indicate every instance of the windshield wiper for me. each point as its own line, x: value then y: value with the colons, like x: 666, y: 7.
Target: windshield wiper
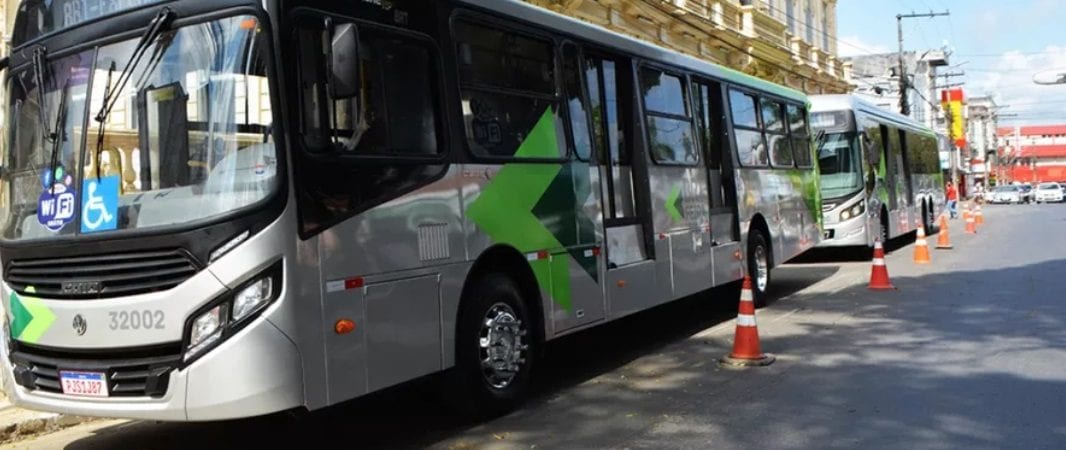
x: 39, y: 62
x: 58, y: 132
x: 156, y: 27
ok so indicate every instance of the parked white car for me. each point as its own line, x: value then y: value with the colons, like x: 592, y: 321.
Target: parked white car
x: 1048, y: 193
x: 1004, y: 194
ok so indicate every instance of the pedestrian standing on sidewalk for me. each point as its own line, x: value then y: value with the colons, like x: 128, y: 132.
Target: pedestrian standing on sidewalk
x: 952, y: 195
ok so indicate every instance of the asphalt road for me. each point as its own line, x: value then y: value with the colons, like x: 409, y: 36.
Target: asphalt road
x: 969, y: 352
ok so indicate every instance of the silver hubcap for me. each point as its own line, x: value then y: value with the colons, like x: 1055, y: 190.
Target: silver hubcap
x: 762, y: 268
x: 500, y: 346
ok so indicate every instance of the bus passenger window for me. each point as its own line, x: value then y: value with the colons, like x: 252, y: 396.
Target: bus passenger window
x: 393, y: 119
x: 776, y: 134
x: 575, y: 101
x: 670, y: 134
x: 751, y: 148
x: 800, y: 134
x: 508, y: 89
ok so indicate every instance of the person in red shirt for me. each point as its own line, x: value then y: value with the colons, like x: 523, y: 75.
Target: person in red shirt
x: 952, y: 195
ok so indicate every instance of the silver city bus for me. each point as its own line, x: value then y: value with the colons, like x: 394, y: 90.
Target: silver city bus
x: 880, y: 171
x: 227, y: 208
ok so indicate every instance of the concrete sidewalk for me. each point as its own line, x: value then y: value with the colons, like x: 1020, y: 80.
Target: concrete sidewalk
x: 17, y: 424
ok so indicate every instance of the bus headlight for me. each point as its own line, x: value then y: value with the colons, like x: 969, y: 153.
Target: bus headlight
x: 226, y: 315
x: 855, y: 211
x: 206, y: 329
x: 251, y: 298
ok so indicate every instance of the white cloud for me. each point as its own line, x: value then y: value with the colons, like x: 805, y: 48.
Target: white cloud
x: 1009, y: 79
x: 854, y: 45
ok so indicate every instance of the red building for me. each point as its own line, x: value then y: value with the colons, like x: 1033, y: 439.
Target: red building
x: 1031, y: 154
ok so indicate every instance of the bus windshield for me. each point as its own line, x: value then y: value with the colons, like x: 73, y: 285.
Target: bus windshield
x: 840, y: 165
x: 188, y: 138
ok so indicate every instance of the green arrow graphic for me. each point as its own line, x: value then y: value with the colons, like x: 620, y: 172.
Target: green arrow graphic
x: 672, y: 203
x: 504, y: 209
x: 30, y: 318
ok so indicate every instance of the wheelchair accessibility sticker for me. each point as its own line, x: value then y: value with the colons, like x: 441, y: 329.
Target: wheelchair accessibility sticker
x: 99, y: 204
x: 55, y: 206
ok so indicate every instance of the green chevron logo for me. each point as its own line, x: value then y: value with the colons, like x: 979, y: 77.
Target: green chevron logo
x: 30, y: 318
x: 504, y: 210
x: 674, y: 206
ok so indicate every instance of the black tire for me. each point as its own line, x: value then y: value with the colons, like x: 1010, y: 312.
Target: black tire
x: 884, y: 227
x: 475, y: 392
x: 757, y: 241
x: 927, y: 225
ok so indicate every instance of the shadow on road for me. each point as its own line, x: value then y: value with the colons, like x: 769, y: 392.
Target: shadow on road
x: 413, y: 415
x: 947, y: 360
x: 851, y: 254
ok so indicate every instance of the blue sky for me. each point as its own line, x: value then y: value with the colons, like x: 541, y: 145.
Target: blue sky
x: 998, y: 44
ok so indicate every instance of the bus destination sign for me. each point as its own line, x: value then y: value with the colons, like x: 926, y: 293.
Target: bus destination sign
x: 37, y: 18
x: 74, y: 12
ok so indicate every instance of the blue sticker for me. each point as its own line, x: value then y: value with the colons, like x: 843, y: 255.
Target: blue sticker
x: 55, y: 207
x: 99, y: 211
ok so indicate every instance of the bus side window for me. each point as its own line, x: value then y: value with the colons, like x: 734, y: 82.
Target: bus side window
x: 751, y: 148
x: 609, y: 136
x: 800, y: 135
x: 710, y: 140
x: 508, y: 88
x: 777, y: 134
x: 370, y: 148
x: 667, y: 118
x: 576, y: 103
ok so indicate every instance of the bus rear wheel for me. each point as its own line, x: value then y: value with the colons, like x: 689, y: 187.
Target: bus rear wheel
x: 494, y: 348
x: 759, y: 263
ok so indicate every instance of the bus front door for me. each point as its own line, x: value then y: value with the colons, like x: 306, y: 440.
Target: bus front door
x: 630, y: 270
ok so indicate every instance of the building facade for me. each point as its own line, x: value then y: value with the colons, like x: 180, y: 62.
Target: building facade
x: 1031, y: 154
x: 981, y: 137
x: 790, y: 42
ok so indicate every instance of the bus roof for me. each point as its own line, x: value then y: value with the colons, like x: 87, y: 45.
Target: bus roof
x: 523, y: 11
x: 848, y: 102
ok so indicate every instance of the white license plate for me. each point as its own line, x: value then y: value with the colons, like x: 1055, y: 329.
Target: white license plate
x: 85, y: 384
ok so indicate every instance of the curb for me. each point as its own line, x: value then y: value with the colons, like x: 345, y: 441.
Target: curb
x: 17, y: 424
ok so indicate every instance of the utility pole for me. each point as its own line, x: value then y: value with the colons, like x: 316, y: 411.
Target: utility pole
x: 904, y: 104
x: 953, y: 161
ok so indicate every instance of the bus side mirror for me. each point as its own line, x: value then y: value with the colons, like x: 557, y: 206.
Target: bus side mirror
x: 344, y: 61
x: 819, y: 139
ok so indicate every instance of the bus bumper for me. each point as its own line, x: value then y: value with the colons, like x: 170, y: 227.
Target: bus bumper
x: 255, y: 372
x: 849, y: 233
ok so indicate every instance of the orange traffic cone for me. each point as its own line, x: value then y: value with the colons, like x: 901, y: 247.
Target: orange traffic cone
x: 979, y: 217
x: 746, y: 350
x: 921, y: 248
x: 943, y: 241
x: 971, y: 224
x: 879, y: 274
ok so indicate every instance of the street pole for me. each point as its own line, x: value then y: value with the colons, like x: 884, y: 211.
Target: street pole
x: 954, y: 160
x: 1017, y: 145
x: 904, y: 103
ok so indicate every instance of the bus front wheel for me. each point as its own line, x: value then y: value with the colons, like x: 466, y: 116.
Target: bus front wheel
x: 759, y: 264
x: 494, y: 347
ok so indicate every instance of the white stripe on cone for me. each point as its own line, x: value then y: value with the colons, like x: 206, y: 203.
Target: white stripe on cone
x: 745, y: 320
x: 879, y: 261
x: 745, y: 296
